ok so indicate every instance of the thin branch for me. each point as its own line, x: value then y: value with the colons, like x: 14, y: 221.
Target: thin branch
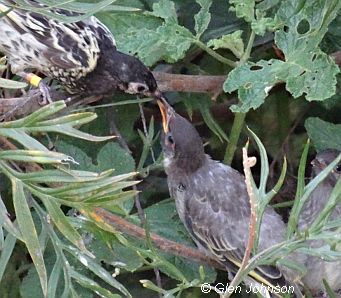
x: 188, y: 83
x: 124, y: 226
x: 248, y: 162
x: 145, y: 131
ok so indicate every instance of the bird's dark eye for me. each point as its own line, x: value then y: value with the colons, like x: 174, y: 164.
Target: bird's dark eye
x: 338, y: 168
x: 141, y: 88
x: 170, y: 139
x: 181, y: 187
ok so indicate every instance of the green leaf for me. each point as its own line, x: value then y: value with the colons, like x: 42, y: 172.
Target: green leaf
x: 165, y: 9
x: 254, y: 82
x: 98, y: 270
x: 150, y: 40
x: 6, y: 252
x: 306, y: 70
x: 264, y: 166
x: 330, y: 292
x: 333, y: 201
x: 86, y: 9
x: 7, y: 223
x: 317, y: 78
x: 81, y: 191
x: 305, y: 26
x: 164, y: 220
x: 39, y: 115
x: 295, y: 210
x: 64, y: 176
x: 263, y: 24
x: 19, y: 135
x: 323, y: 134
x: 43, y: 157
x: 84, y: 162
x: 37, y: 122
x: 243, y: 9
x: 10, y: 84
x: 62, y: 223
x: 28, y: 231
x: 203, y: 103
x: 233, y: 42
x: 54, y: 278
x: 112, y: 155
x: 308, y: 189
x: 94, y: 286
x: 203, y: 17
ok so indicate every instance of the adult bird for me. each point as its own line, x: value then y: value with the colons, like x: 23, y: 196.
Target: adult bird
x: 211, y: 198
x: 81, y: 55
x: 318, y: 269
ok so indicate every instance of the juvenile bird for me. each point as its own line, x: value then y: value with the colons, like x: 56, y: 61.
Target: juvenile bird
x: 318, y: 269
x: 211, y: 198
x: 82, y: 55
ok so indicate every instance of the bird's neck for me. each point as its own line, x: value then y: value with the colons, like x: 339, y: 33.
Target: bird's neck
x: 184, y: 165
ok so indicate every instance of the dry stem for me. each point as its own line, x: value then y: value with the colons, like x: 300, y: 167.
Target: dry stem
x: 248, y: 162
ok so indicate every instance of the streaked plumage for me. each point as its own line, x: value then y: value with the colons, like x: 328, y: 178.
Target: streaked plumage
x: 211, y: 198
x: 317, y: 269
x: 81, y: 55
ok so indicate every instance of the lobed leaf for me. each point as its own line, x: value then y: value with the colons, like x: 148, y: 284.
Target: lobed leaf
x: 232, y: 42
x: 306, y: 70
x: 203, y: 17
x: 323, y: 134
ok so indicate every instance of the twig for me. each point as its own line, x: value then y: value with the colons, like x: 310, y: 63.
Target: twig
x: 248, y: 162
x: 114, y: 130
x: 143, y: 119
x: 104, y: 217
x: 188, y: 83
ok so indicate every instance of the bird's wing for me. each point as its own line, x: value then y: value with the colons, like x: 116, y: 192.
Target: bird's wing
x: 69, y: 46
x: 219, y: 215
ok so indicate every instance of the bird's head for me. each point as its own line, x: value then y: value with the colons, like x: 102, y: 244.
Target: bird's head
x: 181, y: 143
x: 134, y: 76
x: 322, y: 160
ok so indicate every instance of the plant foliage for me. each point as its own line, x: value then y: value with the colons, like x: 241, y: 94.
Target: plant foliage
x: 280, y: 78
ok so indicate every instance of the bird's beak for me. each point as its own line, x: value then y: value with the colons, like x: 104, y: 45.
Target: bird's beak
x: 163, y: 106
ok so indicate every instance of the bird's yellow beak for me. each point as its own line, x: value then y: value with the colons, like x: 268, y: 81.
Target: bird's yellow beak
x: 164, y: 113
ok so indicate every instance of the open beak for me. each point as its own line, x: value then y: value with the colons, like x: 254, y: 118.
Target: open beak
x: 163, y: 106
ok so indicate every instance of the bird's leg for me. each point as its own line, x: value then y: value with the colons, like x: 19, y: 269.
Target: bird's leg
x: 37, y: 81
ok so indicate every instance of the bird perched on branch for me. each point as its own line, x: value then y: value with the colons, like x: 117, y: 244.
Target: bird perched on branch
x: 211, y: 198
x: 318, y: 269
x: 82, y: 55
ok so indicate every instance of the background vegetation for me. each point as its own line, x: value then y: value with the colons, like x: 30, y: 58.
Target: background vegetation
x: 274, y: 64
